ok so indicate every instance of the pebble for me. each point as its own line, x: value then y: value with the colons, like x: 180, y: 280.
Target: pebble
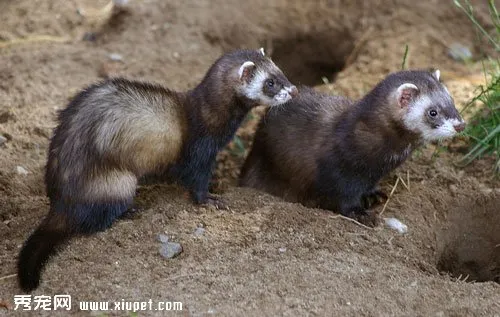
x: 397, y: 225
x: 170, y: 250
x: 486, y: 190
x: 282, y: 250
x: 120, y: 2
x: 459, y: 52
x: 163, y: 238
x: 21, y: 171
x: 199, y: 231
x: 115, y: 57
x: 2, y: 139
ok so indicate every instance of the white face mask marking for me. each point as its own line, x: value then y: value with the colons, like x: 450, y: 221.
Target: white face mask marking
x: 414, y: 120
x: 447, y: 129
x: 283, y: 96
x: 253, y: 90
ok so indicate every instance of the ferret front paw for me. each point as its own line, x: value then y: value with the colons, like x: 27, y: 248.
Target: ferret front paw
x: 217, y: 202
x: 367, y: 218
x: 373, y: 198
x: 131, y: 213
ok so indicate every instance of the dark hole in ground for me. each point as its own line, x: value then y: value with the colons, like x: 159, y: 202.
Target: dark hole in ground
x: 468, y: 247
x: 307, y: 58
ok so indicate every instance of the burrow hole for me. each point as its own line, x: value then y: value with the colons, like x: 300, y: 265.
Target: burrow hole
x: 314, y: 57
x: 468, y: 246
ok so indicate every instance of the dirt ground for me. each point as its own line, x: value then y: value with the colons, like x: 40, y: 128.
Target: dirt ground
x: 263, y: 257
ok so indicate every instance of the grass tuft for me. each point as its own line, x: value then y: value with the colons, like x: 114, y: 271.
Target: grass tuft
x: 484, y: 128
x: 403, y: 64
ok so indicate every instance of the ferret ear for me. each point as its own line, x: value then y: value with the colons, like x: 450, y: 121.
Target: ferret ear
x: 261, y: 50
x: 406, y: 93
x: 246, y: 70
x: 437, y: 74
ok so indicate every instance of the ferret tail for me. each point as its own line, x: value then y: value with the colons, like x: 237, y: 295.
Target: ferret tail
x: 40, y: 246
x: 61, y: 224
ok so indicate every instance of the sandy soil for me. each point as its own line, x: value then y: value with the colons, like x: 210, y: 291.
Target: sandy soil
x: 263, y: 257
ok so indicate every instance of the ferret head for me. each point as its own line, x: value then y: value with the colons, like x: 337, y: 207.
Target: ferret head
x: 262, y: 81
x: 425, y: 104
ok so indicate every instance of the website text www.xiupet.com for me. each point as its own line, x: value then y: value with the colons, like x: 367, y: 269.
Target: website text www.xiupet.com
x: 63, y: 302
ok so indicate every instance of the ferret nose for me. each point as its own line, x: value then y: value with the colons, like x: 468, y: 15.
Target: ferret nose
x: 294, y: 92
x: 459, y: 127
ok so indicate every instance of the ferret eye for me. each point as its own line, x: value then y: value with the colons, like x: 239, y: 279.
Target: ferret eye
x: 433, y: 113
x: 270, y: 83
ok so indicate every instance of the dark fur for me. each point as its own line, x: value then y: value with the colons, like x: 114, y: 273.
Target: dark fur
x: 209, y: 116
x: 330, y: 152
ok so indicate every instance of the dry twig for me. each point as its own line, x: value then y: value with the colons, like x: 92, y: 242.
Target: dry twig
x: 390, y: 195
x: 34, y: 39
x: 352, y: 220
x: 7, y: 277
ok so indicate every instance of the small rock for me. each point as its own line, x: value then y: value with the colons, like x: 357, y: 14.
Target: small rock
x: 395, y: 224
x: 120, y: 2
x: 282, y: 250
x: 89, y: 37
x: 163, y: 238
x: 459, y: 52
x: 486, y: 190
x: 199, y: 231
x: 2, y: 139
x: 170, y: 250
x: 21, y: 171
x: 115, y: 57
x: 176, y: 55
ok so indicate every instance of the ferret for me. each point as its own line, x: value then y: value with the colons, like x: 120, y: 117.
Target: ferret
x: 330, y: 152
x: 116, y: 131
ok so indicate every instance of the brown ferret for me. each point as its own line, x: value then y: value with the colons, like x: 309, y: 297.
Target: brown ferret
x: 116, y: 131
x: 330, y: 152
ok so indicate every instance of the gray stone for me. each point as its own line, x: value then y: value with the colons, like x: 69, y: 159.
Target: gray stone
x: 170, y: 250
x: 459, y: 52
x: 115, y: 57
x: 163, y: 238
x: 21, y: 171
x: 199, y: 231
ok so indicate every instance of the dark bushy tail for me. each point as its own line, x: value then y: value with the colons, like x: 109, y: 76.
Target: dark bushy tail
x: 40, y: 246
x: 63, y: 222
